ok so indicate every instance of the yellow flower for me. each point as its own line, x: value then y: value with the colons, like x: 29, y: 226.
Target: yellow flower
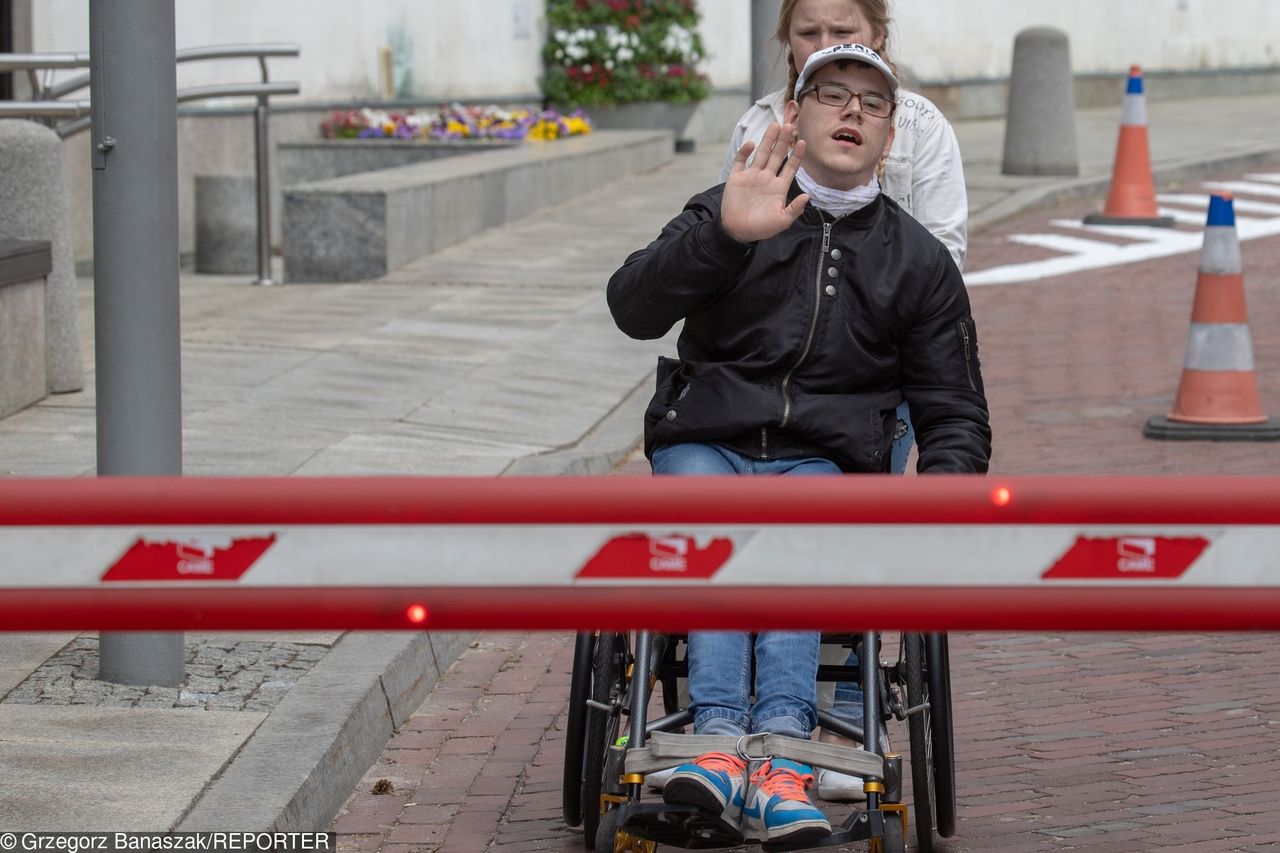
x: 389, y: 127
x: 457, y: 127
x: 577, y: 125
x: 543, y: 129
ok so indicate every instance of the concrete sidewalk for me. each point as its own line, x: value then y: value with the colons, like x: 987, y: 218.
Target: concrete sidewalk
x: 468, y: 361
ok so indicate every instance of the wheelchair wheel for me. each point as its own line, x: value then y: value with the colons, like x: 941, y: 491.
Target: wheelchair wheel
x: 919, y: 728
x: 576, y: 728
x: 938, y: 670
x: 608, y: 686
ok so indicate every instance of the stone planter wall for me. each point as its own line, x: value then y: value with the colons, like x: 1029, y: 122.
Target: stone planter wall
x: 303, y: 162
x: 647, y: 115
x: 362, y: 226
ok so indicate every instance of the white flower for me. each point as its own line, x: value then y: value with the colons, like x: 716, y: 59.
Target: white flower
x: 374, y: 118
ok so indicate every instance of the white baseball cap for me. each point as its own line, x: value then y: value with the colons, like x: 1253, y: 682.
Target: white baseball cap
x: 854, y: 52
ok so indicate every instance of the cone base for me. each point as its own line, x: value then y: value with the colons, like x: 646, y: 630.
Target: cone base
x: 1153, y: 221
x: 1160, y: 427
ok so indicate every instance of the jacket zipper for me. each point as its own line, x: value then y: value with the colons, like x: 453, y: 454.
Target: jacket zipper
x: 813, y: 322
x: 964, y: 339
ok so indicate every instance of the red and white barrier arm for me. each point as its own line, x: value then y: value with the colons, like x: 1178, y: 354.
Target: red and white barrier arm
x: 936, y: 553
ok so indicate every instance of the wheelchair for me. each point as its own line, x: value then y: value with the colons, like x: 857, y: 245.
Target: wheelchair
x: 611, y: 743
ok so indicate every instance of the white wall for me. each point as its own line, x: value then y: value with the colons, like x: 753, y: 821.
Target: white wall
x: 444, y: 48
x: 478, y: 48
x: 945, y: 40
x: 726, y: 34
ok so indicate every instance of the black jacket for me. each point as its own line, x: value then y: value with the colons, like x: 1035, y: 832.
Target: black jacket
x: 805, y: 343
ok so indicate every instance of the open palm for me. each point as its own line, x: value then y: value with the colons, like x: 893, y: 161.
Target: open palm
x: 755, y: 197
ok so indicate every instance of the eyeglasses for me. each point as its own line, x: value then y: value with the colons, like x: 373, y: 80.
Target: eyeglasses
x: 835, y: 95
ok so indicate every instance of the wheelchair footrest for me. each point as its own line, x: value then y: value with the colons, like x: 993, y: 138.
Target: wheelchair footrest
x: 683, y: 826
x: 858, y: 827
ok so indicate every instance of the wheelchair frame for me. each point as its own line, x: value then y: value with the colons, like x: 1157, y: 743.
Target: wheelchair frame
x: 613, y: 677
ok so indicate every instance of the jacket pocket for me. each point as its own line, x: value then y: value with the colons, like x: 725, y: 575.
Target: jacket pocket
x: 672, y: 386
x: 967, y: 333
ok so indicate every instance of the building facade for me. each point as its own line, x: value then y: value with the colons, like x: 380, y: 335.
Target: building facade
x: 406, y: 53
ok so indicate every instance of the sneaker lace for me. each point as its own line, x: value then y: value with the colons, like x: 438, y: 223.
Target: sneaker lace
x: 721, y: 762
x: 782, y: 782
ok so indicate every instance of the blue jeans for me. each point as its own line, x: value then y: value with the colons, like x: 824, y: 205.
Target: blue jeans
x: 786, y: 662
x: 901, y: 448
x: 786, y: 685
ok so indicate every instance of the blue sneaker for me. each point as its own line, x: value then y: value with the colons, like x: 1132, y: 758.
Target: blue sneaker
x: 715, y: 781
x: 777, y: 807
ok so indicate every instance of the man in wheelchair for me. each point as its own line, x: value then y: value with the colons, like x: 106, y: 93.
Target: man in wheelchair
x: 812, y: 307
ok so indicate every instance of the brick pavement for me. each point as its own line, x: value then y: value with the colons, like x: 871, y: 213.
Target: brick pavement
x: 1100, y: 742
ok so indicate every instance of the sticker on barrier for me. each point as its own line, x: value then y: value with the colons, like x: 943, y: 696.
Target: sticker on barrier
x: 206, y: 557
x: 915, y: 553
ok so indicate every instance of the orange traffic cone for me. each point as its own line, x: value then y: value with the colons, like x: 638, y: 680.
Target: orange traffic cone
x: 1217, y: 396
x: 1132, y: 199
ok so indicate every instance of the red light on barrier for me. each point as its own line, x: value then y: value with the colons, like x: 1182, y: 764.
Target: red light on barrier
x: 1001, y: 496
x: 417, y: 614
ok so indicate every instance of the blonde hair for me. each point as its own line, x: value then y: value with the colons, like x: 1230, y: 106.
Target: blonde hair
x: 875, y: 11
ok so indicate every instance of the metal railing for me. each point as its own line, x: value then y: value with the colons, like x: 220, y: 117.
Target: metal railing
x: 48, y: 103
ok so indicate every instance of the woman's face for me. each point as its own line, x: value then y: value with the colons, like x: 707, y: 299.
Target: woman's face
x: 816, y: 24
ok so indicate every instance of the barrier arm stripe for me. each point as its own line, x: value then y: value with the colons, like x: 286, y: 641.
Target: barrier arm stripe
x: 662, y: 608
x: 639, y: 500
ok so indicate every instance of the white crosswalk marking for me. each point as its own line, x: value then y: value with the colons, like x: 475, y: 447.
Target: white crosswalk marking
x: 1182, y: 217
x: 1079, y: 253
x: 1063, y: 243
x: 1246, y: 187
x: 1201, y: 203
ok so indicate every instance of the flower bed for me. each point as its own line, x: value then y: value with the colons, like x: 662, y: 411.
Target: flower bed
x: 609, y: 52
x: 455, y: 123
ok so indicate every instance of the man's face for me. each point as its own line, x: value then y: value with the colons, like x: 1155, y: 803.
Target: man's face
x: 843, y: 145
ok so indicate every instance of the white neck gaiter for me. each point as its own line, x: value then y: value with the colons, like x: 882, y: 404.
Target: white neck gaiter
x: 837, y: 202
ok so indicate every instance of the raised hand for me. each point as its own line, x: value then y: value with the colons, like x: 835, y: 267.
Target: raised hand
x: 755, y: 198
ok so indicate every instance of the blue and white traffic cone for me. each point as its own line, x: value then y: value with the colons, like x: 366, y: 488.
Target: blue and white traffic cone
x: 1132, y: 199
x: 1217, y: 396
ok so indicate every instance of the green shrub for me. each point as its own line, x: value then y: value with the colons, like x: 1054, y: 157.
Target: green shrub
x: 602, y: 52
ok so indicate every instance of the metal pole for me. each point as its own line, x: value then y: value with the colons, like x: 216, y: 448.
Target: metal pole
x: 133, y: 80
x: 768, y: 69
x: 262, y: 165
